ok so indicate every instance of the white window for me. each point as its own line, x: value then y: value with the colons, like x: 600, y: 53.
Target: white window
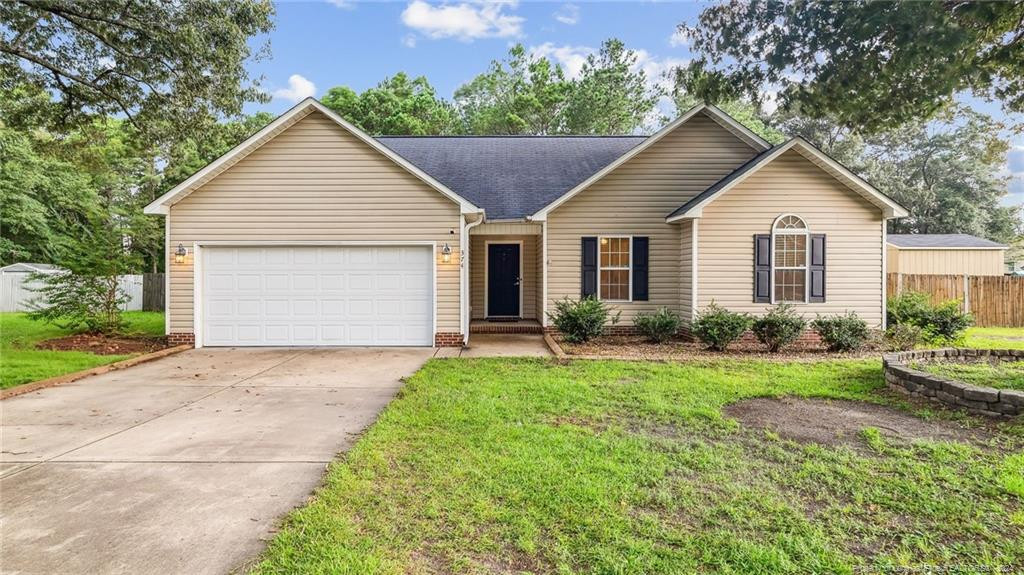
x: 789, y: 260
x: 614, y: 263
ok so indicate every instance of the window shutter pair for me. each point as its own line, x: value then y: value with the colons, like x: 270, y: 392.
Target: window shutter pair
x: 763, y: 268
x: 588, y: 272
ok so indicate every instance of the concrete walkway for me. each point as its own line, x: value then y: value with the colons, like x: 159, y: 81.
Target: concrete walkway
x: 500, y: 345
x: 182, y: 465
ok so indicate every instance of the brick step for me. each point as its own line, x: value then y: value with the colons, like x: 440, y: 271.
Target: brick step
x: 505, y: 327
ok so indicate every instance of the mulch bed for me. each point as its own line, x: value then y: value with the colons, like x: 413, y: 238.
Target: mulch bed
x: 104, y: 345
x: 637, y: 347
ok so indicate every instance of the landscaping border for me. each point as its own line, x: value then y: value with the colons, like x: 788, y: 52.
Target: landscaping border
x: 75, y: 376
x: 978, y: 400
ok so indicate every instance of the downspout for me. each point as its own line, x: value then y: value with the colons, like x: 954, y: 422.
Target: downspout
x: 464, y: 275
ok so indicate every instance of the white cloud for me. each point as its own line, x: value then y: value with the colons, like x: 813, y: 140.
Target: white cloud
x: 570, y: 58
x: 298, y: 89
x: 465, y: 21
x: 658, y: 69
x: 678, y: 38
x: 568, y: 14
x: 345, y: 4
x: 1015, y: 160
x: 409, y: 41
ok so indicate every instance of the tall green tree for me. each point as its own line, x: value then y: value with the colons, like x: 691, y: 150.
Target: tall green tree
x: 945, y: 171
x: 870, y: 65
x: 399, y: 105
x: 612, y: 95
x: 743, y: 111
x: 168, y: 65
x: 523, y: 94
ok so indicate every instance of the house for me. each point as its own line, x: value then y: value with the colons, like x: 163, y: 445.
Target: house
x: 944, y: 254
x: 311, y: 232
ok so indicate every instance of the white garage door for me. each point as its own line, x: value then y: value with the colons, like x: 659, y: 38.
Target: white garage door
x: 323, y: 295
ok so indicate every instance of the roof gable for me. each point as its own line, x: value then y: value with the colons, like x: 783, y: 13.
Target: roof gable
x: 162, y: 204
x: 720, y: 117
x: 692, y: 208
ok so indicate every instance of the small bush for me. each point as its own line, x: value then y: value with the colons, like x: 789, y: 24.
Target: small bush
x: 842, y: 332
x: 902, y: 337
x: 582, y: 320
x: 779, y: 327
x: 939, y: 324
x: 947, y: 323
x: 717, y: 327
x: 910, y: 307
x: 659, y: 326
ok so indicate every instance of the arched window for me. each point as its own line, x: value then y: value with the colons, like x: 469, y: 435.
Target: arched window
x: 789, y: 262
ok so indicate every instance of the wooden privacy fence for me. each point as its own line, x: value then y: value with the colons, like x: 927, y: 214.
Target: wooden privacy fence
x: 993, y: 300
x: 153, y: 292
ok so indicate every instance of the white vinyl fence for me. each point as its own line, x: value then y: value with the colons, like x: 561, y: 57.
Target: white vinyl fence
x: 16, y: 292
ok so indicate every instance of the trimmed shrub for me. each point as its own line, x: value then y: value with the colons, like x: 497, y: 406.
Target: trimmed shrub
x: 717, y: 327
x: 902, y: 337
x: 582, y: 320
x: 779, y: 327
x: 659, y: 326
x: 842, y: 332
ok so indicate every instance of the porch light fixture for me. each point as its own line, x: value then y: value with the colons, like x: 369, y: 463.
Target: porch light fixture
x: 446, y: 253
x: 179, y: 254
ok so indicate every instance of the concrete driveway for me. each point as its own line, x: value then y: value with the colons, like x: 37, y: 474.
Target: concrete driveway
x: 184, y: 464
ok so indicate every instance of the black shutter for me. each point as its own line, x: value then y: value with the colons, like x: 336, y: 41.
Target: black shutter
x: 762, y: 268
x: 588, y: 270
x: 816, y: 268
x: 640, y: 266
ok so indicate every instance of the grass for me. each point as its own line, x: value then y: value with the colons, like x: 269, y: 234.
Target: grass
x: 21, y: 363
x: 995, y: 337
x: 606, y: 467
x: 1001, y: 375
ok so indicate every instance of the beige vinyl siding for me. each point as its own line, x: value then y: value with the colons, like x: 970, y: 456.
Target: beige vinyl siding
x: 792, y: 184
x: 686, y: 270
x: 946, y: 262
x: 634, y: 200
x: 478, y: 281
x: 315, y: 182
x: 538, y: 297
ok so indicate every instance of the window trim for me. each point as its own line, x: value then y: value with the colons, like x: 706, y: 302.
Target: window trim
x: 806, y: 232
x: 629, y: 269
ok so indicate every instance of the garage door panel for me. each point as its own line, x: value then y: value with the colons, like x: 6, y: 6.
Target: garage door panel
x: 322, y: 295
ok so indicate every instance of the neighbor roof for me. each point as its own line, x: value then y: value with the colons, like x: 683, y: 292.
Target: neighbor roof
x: 942, y: 241
x: 510, y: 177
x: 29, y: 267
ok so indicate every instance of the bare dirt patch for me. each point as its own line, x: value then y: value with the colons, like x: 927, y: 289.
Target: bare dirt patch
x: 638, y: 347
x: 834, y: 422
x: 104, y: 345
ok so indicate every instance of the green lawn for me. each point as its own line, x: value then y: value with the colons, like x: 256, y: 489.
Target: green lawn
x: 1003, y: 375
x: 21, y: 363
x: 509, y: 466
x: 995, y: 337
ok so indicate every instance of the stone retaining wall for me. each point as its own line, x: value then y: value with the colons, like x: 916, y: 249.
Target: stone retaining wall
x: 978, y: 400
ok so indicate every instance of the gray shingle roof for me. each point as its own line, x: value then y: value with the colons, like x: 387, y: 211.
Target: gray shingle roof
x: 940, y: 241
x: 510, y: 177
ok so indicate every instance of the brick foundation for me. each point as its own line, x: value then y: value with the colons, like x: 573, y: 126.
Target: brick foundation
x: 447, y: 339
x: 809, y: 338
x: 181, y: 338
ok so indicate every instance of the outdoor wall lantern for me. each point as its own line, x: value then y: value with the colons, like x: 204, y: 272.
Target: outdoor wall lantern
x: 179, y: 254
x: 446, y: 254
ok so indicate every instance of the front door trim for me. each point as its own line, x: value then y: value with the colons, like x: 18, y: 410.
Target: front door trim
x: 487, y: 275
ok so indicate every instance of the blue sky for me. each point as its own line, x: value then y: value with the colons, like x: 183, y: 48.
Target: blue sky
x: 320, y: 44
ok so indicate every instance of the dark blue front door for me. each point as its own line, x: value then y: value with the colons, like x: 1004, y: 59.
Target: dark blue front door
x: 503, y: 280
